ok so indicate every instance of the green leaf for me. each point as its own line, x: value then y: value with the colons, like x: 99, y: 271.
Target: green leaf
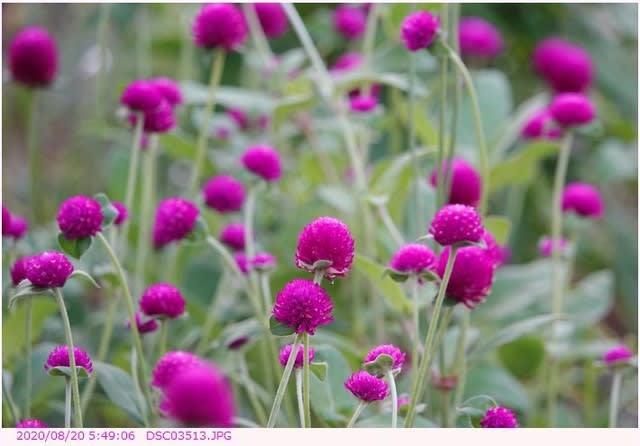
x: 66, y: 371
x: 84, y: 275
x: 120, y: 389
x: 247, y: 100
x: 523, y: 166
x: 290, y: 105
x: 249, y: 328
x: 181, y: 148
x: 329, y: 399
x: 493, y: 380
x: 523, y: 357
x: 499, y: 227
x: 277, y: 329
x: 337, y: 197
x: 200, y: 230
x: 76, y: 247
x: 319, y: 369
x: 13, y: 325
x: 25, y: 290
x: 109, y: 211
x: 591, y: 299
x: 390, y: 290
x: 382, y: 364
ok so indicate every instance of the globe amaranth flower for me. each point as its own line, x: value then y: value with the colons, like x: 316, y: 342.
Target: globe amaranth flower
x: 263, y: 262
x: 31, y: 424
x: 141, y: 96
x: 143, y: 326
x: 617, y: 354
x: 478, y: 38
x: 541, y: 125
x: 564, y: 66
x: 285, y: 353
x: 465, y: 181
x: 175, y: 219
x: 123, y: 213
x: 471, y: 276
x: 367, y: 387
x: 545, y: 246
x: 347, y: 62
x: 456, y: 223
x: 6, y: 221
x: 493, y: 249
x: 19, y: 270
x: 386, y: 349
x: 219, y: 25
x: 499, y: 417
x: 363, y: 103
x: 160, y: 119
x: 162, y: 300
x: 583, y: 199
x: 49, y: 269
x: 571, y: 109
x: 272, y: 18
x: 80, y: 217
x: 303, y: 306
x: 349, y: 21
x: 169, y: 89
x: 419, y: 30
x: 326, y: 239
x: 170, y: 365
x: 413, y: 258
x: 233, y: 235
x: 18, y: 227
x: 33, y: 57
x: 59, y: 357
x: 224, y: 194
x: 263, y: 161
x: 242, y: 262
x: 239, y: 117
x: 200, y: 396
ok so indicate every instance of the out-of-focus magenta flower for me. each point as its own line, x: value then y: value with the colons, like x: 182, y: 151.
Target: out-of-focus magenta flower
x: 238, y: 116
x: 169, y: 89
x: 285, y: 353
x: 564, y: 66
x: 18, y: 227
x: 347, y: 62
x: 59, y: 357
x: 494, y: 250
x: 413, y: 258
x: 170, y: 365
x: 33, y: 57
x: 617, y: 354
x: 141, y: 96
x: 264, y: 262
x: 233, y: 235
x: 545, y: 246
x: 123, y: 213
x: 571, y: 109
x: 272, y: 18
x: 499, y: 417
x: 49, y: 269
x: 224, y: 194
x: 466, y: 184
x: 158, y: 120
x: 541, y: 125
x: 456, y: 223
x: 479, y: 38
x: 162, y: 300
x: 19, y: 270
x: 303, y: 306
x: 263, y: 161
x: 583, y: 199
x: 175, y: 219
x: 219, y: 25
x: 144, y: 327
x: 31, y: 424
x: 471, y: 276
x: 80, y: 217
x: 363, y: 103
x: 242, y: 262
x: 6, y: 221
x: 419, y: 30
x: 386, y: 349
x: 349, y: 21
x: 367, y: 387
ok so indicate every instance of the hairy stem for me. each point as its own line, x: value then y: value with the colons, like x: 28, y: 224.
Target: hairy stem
x: 67, y: 402
x: 305, y: 374
x: 356, y: 414
x: 390, y: 225
x: 616, y: 385
x: 132, y: 178
x: 275, y: 409
x: 28, y: 323
x: 258, y: 410
x: 300, y: 397
x: 442, y: 116
x: 394, y: 399
x: 35, y: 157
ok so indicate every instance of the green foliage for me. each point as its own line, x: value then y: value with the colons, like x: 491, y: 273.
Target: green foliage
x: 120, y: 389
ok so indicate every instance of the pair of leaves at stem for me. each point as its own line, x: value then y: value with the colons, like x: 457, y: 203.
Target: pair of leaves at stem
x: 382, y: 365
x: 26, y: 290
x: 66, y: 371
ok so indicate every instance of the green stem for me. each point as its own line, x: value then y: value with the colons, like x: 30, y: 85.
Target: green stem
x: 616, y: 386
x: 35, y: 157
x: 442, y: 116
x: 390, y: 225
x: 361, y: 406
x: 162, y: 338
x: 305, y: 374
x: 28, y: 343
x: 219, y: 55
x: 367, y: 45
x: 251, y: 394
x: 275, y: 409
x: 416, y: 326
x: 132, y: 177
x: 460, y: 366
x: 590, y: 392
x: 210, y: 320
x: 457, y: 92
x: 72, y: 356
x: 67, y: 402
x: 257, y: 33
x: 412, y: 142
x: 394, y: 399
x: 300, y: 397
x: 144, y: 232
x: 417, y: 391
x: 186, y: 43
x: 6, y: 394
x: 249, y: 210
x: 229, y: 262
x: 103, y: 26
x: 444, y: 407
x: 143, y: 43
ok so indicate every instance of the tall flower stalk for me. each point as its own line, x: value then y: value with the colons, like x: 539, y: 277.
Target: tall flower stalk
x: 282, y: 387
x: 132, y: 176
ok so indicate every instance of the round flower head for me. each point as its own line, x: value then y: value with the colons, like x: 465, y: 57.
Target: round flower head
x: 169, y: 89
x: 303, y: 306
x: 541, y: 125
x: 493, y: 250
x: 18, y: 227
x: 499, y: 417
x: 471, y: 276
x: 158, y: 120
x: 564, y: 66
x: 263, y: 261
x: 363, y: 103
x: 123, y: 213
x: 264, y: 161
x: 31, y: 424
x: 162, y: 300
x: 616, y: 354
x: 367, y: 387
x: 224, y: 194
x: 232, y: 235
x: 455, y: 223
x: 175, y: 219
x: 478, y: 38
x: 170, y: 365
x: 272, y: 18
x: 583, y: 199
x: 466, y: 184
x: 349, y: 21
x: 413, y: 258
x: 570, y: 109
x: 144, y: 327
x: 141, y: 96
x: 326, y: 239
x: 19, y: 270
x: 219, y: 25
x: 285, y: 353
x: 545, y: 246
x: 80, y: 217
x: 6, y: 221
x: 59, y: 357
x: 238, y: 116
x: 386, y: 349
x: 49, y: 269
x: 242, y: 262
x: 419, y: 30
x: 347, y: 62
x: 33, y: 57
x: 200, y: 396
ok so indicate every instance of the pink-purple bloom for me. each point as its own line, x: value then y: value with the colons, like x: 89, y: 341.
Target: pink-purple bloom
x: 387, y: 349
x: 162, y: 300
x: 479, y: 38
x: 303, y: 306
x: 263, y: 261
x: 238, y: 116
x: 170, y: 365
x: 31, y: 424
x: 141, y: 96
x: 367, y: 387
x: 413, y: 258
x: 33, y: 57
x: 272, y: 18
x: 169, y: 89
x: 224, y: 194
x: 493, y: 249
x: 80, y: 217
x: 456, y: 223
x: 545, y: 246
x: 471, y: 276
x: 175, y: 219
x: 6, y: 221
x: 263, y: 161
x: 347, y: 62
x: 242, y: 262
x: 363, y: 103
x: 123, y: 213
x: 219, y: 25
x: 49, y: 269
x: 59, y: 357
x: 18, y: 270
x: 583, y: 199
x: 160, y: 119
x: 285, y: 353
x: 18, y: 227
x: 617, y: 354
x: 571, y: 109
x: 144, y: 326
x: 466, y: 184
x: 499, y: 417
x: 419, y: 30
x: 349, y: 21
x: 564, y: 66
x: 541, y: 125
x: 233, y: 235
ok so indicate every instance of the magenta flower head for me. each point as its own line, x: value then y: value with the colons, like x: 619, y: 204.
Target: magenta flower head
x: 478, y: 38
x: 617, y: 354
x: 242, y: 262
x: 49, y: 269
x: 31, y: 424
x: 541, y: 125
x: 264, y: 262
x: 419, y: 30
x: 564, y: 66
x: 18, y: 227
x: 413, y: 258
x: 33, y: 57
x: 499, y: 417
x: 466, y: 184
x: 219, y: 25
x: 493, y: 250
x: 123, y: 213
x: 144, y: 327
x: 367, y: 388
x: 162, y: 300
x: 59, y: 357
x: 456, y: 223
x: 238, y: 116
x: 583, y: 199
x: 158, y: 120
x: 169, y: 89
x: 285, y: 353
x: 264, y: 161
x: 141, y: 96
x: 6, y: 221
x: 224, y: 194
x: 571, y: 109
x: 347, y: 62
x: 200, y: 396
x: 19, y: 270
x: 471, y: 276
x: 303, y: 306
x: 272, y: 18
x: 363, y: 103
x: 232, y: 235
x: 175, y: 219
x: 170, y: 365
x: 545, y: 246
x: 349, y: 21
x: 326, y: 240
x: 80, y: 217
x: 387, y: 349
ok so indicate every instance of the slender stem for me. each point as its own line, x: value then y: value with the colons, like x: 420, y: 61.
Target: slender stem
x: 186, y: 43
x: 411, y: 139
x: 6, y: 394
x: 210, y: 319
x: 328, y: 169
x: 28, y: 323
x: 257, y: 33
x: 300, y: 397
x: 219, y: 55
x: 415, y: 355
x: 367, y: 45
x: 267, y: 299
x: 361, y: 406
x: 162, y: 338
x: 275, y: 409
x: 135, y: 378
x: 442, y: 116
x: 589, y: 392
x: 460, y: 361
x: 258, y: 410
x: 390, y: 225
x: 35, y: 157
x: 417, y: 390
x: 457, y: 92
x: 249, y: 210
x: 305, y: 374
x: 616, y: 386
x: 144, y: 233
x: 394, y: 399
x: 132, y: 177
x: 72, y: 356
x: 103, y: 26
x: 228, y: 260
x: 444, y: 407
x: 67, y: 402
